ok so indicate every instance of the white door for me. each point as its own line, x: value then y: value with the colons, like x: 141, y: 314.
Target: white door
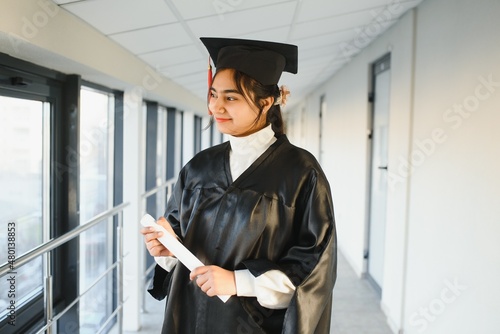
x: 378, y: 189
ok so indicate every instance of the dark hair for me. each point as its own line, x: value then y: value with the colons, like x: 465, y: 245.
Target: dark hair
x: 254, y: 92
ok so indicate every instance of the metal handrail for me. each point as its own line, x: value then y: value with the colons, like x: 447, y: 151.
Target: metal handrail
x: 77, y: 299
x: 54, y: 243
x: 155, y: 190
x: 168, y: 184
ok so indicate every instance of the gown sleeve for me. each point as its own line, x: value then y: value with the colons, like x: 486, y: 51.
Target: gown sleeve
x: 310, y: 263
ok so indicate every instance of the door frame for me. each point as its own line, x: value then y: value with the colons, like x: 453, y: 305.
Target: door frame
x: 380, y: 65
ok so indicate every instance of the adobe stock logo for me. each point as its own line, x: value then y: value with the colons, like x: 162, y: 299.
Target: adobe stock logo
x: 364, y: 35
x: 454, y: 117
x: 437, y: 306
x: 31, y: 26
x: 225, y: 6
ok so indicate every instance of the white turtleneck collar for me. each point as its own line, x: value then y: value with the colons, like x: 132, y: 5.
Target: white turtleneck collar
x: 245, y: 150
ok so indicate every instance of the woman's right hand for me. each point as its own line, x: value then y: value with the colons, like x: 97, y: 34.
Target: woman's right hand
x: 154, y: 246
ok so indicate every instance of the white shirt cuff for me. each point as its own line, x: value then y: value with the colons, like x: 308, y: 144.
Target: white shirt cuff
x: 166, y: 262
x: 273, y: 289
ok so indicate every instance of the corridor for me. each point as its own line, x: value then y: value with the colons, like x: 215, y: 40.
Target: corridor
x: 356, y: 307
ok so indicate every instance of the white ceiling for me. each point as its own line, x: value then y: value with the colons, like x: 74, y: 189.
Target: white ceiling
x: 165, y: 33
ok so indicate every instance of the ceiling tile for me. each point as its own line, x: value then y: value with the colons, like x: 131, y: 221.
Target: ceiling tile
x: 243, y: 22
x: 60, y: 2
x: 191, y: 9
x: 320, y: 51
x: 317, y: 9
x: 407, y: 5
x: 172, y: 56
x: 325, y: 40
x: 152, y: 39
x: 112, y: 16
x: 193, y: 79
x: 276, y: 34
x: 333, y: 24
x: 180, y: 70
x: 164, y: 33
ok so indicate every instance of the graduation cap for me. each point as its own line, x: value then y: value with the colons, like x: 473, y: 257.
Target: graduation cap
x: 261, y: 60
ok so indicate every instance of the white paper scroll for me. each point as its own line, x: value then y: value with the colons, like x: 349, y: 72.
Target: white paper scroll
x: 179, y: 250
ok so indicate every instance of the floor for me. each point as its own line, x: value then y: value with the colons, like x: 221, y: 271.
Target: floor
x: 356, y: 307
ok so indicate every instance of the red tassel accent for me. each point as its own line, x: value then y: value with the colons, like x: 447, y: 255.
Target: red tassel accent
x: 210, y: 78
x: 209, y: 73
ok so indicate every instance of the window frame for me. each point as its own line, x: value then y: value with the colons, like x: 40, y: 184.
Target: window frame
x: 63, y: 93
x: 40, y: 84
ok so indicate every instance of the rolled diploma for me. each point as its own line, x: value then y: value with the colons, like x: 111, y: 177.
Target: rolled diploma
x: 179, y: 250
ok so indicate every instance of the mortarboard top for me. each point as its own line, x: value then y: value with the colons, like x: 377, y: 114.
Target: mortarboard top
x: 261, y: 60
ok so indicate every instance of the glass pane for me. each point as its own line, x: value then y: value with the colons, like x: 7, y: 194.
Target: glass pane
x: 96, y: 252
x: 21, y: 198
x: 161, y: 160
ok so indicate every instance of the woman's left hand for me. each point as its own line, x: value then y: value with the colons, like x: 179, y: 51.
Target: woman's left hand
x: 214, y: 280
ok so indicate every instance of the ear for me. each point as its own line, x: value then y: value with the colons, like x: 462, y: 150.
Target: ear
x: 266, y: 104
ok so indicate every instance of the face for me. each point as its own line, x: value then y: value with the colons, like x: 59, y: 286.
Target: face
x: 232, y: 113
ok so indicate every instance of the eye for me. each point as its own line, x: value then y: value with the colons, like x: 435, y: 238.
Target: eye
x: 212, y: 95
x: 231, y: 98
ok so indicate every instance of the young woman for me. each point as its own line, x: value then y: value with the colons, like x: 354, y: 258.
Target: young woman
x: 256, y: 210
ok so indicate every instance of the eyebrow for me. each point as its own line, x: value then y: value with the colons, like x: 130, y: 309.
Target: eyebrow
x: 226, y: 91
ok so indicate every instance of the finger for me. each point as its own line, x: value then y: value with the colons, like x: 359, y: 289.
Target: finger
x: 154, y: 244
x: 166, y: 252
x: 210, y: 292
x: 202, y: 281
x: 152, y: 236
x: 205, y: 286
x: 198, y: 271
x: 153, y: 247
x: 146, y: 230
x: 163, y: 222
x: 159, y: 251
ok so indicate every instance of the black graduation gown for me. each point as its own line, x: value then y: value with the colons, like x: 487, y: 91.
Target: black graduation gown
x: 277, y: 215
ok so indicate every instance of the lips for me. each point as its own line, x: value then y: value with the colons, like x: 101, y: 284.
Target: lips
x: 221, y: 120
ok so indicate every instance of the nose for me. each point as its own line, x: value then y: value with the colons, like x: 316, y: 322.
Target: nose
x: 216, y: 105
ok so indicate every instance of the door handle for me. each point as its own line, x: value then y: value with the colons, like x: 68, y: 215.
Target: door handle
x: 382, y: 167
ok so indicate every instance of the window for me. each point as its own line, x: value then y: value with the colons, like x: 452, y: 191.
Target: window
x: 197, y: 134
x: 173, y: 143
x: 96, y: 196
x: 161, y: 159
x: 155, y: 118
x: 60, y: 167
x: 30, y: 105
x: 24, y: 129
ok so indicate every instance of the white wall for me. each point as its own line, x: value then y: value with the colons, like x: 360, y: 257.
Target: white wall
x: 454, y: 214
x: 443, y: 209
x: 346, y: 144
x: 133, y: 187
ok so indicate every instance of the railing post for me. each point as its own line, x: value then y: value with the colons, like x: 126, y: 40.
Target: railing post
x: 168, y: 185
x: 143, y: 279
x: 48, y: 293
x: 119, y: 270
